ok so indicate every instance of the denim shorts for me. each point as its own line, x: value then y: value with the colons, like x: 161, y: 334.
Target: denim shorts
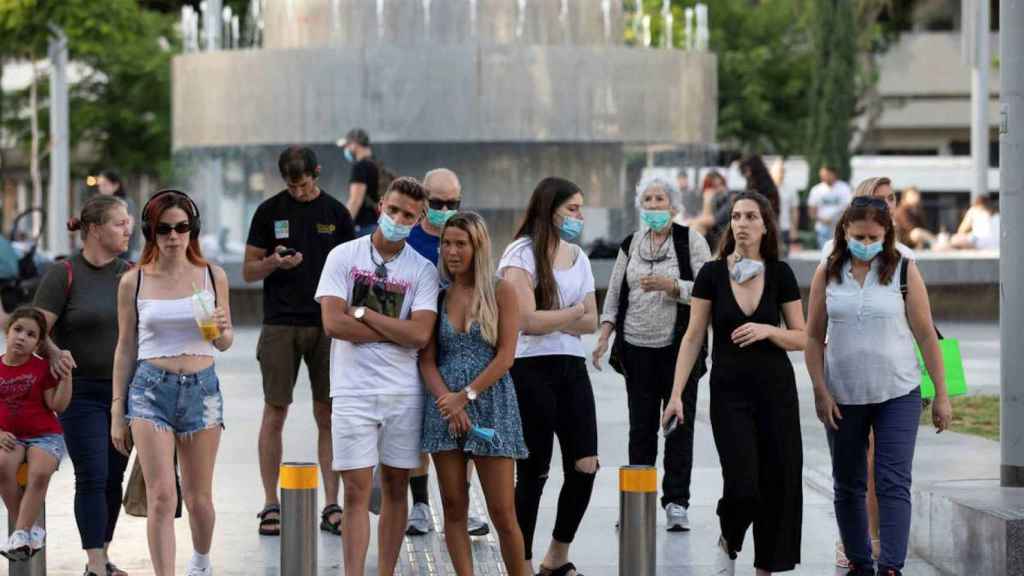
x: 179, y: 403
x: 52, y: 444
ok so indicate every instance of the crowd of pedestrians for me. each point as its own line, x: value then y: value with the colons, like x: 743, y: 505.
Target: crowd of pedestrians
x: 418, y: 345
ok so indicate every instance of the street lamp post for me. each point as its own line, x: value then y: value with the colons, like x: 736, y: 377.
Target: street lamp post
x: 1011, y: 265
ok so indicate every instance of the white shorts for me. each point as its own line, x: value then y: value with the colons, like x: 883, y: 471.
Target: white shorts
x: 375, y: 428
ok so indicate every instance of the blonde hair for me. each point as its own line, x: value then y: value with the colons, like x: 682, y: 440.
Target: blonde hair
x: 868, y: 186
x: 484, y: 308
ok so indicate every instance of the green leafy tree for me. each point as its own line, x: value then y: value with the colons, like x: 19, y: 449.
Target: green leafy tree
x: 833, y: 94
x: 120, y: 104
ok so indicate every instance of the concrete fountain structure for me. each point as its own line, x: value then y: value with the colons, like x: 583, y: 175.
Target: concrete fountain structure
x: 504, y: 92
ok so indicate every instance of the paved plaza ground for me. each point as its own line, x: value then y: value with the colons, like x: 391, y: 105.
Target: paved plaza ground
x: 238, y: 550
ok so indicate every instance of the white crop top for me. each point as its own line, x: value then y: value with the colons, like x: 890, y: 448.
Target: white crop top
x: 168, y: 327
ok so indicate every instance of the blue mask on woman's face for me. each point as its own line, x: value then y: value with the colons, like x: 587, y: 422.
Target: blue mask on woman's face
x: 349, y: 157
x: 570, y: 229
x: 656, y: 219
x: 864, y: 252
x: 392, y: 231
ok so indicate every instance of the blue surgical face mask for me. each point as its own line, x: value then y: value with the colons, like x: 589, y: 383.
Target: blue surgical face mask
x: 864, y: 252
x: 392, y: 231
x: 437, y: 218
x: 349, y: 156
x: 570, y: 229
x: 656, y: 219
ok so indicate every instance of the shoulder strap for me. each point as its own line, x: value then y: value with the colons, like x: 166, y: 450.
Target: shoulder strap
x: 681, y: 240
x: 209, y: 274
x: 903, y: 278
x: 620, y: 316
x: 71, y: 277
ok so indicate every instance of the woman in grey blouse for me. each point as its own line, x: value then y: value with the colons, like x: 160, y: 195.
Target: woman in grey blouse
x: 867, y: 378
x: 647, y: 304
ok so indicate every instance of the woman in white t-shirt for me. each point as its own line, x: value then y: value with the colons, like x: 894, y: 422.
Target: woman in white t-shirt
x: 555, y: 291
x: 979, y: 229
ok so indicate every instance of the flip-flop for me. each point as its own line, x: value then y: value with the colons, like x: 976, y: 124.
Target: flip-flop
x: 325, y: 519
x: 270, y: 526
x: 562, y: 570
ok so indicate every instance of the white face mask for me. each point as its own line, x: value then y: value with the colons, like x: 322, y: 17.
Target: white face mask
x: 744, y: 269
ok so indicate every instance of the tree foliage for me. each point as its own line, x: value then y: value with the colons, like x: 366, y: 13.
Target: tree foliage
x: 120, y: 106
x: 833, y: 91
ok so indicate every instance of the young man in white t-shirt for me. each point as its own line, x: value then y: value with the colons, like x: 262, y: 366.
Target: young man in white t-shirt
x: 378, y: 299
x: 826, y: 202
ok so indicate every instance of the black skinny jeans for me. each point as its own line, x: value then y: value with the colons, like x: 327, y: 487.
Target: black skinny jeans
x: 99, y: 468
x: 555, y: 399
x: 649, y: 376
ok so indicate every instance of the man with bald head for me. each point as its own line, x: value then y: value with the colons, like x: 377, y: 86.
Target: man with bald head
x: 444, y: 196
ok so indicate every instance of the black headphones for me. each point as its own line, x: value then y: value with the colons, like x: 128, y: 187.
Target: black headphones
x: 149, y: 228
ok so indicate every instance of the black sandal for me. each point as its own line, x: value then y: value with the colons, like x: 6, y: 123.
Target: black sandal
x: 270, y: 526
x: 562, y: 570
x: 325, y: 519
x: 113, y: 570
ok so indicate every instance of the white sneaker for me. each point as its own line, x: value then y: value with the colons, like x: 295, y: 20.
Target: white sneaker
x: 677, y: 518
x: 194, y: 570
x: 420, y: 520
x: 37, y: 539
x: 18, y: 547
x: 478, y: 526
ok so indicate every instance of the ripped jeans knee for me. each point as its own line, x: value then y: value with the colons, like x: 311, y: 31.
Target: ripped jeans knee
x: 588, y: 465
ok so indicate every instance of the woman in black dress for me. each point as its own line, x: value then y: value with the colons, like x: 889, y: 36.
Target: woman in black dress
x: 745, y: 295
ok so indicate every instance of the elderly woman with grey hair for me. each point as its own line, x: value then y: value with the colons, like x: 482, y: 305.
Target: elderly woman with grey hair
x: 647, y: 305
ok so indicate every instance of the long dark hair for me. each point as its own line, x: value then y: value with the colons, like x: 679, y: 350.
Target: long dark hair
x: 115, y: 178
x: 888, y: 259
x: 760, y: 180
x: 539, y: 226
x: 770, y: 240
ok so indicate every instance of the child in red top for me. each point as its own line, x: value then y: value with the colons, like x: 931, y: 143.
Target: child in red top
x: 29, y: 429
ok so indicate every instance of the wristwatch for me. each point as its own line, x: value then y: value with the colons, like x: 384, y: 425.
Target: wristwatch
x: 359, y: 313
x: 470, y: 393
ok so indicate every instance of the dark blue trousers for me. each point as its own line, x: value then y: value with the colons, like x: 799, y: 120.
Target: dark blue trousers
x: 99, y: 468
x: 895, y: 423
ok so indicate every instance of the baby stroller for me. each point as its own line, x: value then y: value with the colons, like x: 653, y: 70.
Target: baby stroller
x: 21, y: 265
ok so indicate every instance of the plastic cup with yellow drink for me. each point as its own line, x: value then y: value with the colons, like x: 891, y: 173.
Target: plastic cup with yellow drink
x: 202, y: 309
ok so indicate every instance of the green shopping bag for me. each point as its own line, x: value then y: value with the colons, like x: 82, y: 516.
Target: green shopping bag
x: 956, y: 383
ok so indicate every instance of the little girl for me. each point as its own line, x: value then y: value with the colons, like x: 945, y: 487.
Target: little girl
x: 29, y: 429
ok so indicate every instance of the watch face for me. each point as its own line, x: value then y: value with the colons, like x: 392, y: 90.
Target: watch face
x: 359, y: 313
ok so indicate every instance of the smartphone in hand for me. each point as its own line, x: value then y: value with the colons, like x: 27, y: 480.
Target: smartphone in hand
x: 670, y: 426
x: 287, y: 252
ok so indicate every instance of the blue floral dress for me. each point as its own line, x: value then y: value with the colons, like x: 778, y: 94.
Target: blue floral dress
x: 461, y: 357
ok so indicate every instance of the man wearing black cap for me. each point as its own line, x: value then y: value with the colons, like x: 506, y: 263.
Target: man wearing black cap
x: 363, y: 194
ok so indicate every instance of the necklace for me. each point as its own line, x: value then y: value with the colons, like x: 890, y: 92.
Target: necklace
x: 380, y: 268
x: 656, y: 255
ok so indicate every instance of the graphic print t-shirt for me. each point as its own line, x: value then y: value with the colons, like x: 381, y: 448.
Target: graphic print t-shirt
x: 23, y: 410
x: 312, y: 228
x: 411, y: 285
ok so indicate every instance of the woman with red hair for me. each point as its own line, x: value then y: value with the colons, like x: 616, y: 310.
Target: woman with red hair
x: 173, y: 400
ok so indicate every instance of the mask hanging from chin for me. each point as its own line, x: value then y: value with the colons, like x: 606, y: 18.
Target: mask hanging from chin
x: 744, y: 269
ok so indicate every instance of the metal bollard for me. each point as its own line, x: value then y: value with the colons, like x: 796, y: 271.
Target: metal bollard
x: 36, y: 565
x: 299, y: 483
x: 638, y: 495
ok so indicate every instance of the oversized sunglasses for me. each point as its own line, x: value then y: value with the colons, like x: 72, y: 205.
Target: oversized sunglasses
x: 163, y: 228
x: 438, y: 204
x: 869, y: 202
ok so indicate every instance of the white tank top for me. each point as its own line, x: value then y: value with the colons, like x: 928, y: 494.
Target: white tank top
x: 168, y: 328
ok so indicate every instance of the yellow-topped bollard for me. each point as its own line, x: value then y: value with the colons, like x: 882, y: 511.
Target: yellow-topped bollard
x: 638, y: 513
x: 299, y: 482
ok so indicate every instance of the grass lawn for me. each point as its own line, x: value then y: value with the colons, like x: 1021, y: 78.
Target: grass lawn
x: 978, y: 415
